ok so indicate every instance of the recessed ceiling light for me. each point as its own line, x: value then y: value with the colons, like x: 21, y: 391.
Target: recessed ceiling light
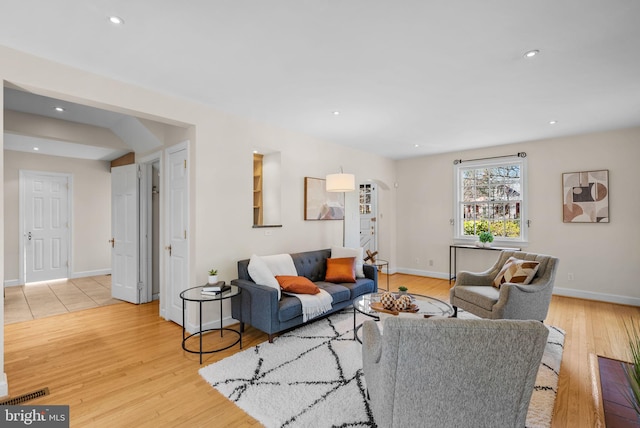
x: 36, y: 148
x: 531, y: 53
x: 59, y: 109
x: 553, y: 122
x: 416, y: 145
x: 336, y: 113
x: 116, y: 20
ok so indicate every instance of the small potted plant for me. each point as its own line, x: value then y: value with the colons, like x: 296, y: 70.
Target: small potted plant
x: 486, y: 238
x: 213, y: 276
x: 402, y: 289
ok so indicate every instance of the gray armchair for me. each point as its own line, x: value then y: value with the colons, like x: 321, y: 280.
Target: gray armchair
x: 451, y: 372
x: 473, y: 292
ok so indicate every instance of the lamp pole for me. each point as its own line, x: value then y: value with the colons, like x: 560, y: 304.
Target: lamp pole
x: 342, y: 183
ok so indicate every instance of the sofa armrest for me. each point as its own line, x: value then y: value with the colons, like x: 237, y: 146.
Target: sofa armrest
x: 371, y: 272
x: 260, y: 314
x: 524, y: 301
x: 528, y: 288
x: 371, y: 343
x: 473, y: 278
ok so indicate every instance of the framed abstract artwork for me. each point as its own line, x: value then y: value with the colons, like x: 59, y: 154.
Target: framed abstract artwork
x: 585, y: 197
x: 320, y: 204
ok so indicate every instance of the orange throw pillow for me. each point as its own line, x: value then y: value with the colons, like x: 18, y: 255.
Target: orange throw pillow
x: 297, y: 284
x: 341, y: 270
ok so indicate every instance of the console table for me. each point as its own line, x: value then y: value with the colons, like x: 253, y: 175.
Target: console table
x: 453, y: 255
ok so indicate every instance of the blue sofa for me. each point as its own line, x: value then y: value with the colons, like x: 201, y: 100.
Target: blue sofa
x: 258, y: 305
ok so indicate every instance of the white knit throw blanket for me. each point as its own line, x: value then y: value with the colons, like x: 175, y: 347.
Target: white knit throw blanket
x: 313, y: 305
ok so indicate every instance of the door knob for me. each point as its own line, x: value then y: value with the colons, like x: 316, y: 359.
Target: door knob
x: 29, y: 236
x: 168, y: 248
x: 113, y: 242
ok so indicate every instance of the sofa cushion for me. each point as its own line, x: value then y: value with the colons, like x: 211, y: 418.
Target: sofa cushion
x: 261, y: 274
x: 341, y: 270
x: 479, y: 295
x: 517, y: 271
x: 339, y: 292
x: 339, y: 252
x: 289, y: 308
x: 360, y: 287
x: 297, y: 284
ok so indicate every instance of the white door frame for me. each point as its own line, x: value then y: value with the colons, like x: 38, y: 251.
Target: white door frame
x: 146, y: 225
x: 168, y: 292
x: 21, y: 223
x: 374, y: 211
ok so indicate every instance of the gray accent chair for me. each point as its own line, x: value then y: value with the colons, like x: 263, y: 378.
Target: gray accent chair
x: 474, y: 292
x: 448, y: 372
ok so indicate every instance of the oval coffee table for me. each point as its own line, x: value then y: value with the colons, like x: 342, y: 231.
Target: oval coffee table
x: 427, y: 307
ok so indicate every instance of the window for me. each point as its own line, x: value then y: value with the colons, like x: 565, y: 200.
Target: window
x: 491, y: 196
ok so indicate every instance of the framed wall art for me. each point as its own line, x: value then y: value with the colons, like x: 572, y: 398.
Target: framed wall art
x: 585, y: 197
x: 320, y: 204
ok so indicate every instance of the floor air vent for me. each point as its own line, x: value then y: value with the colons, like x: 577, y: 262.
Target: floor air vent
x: 25, y: 397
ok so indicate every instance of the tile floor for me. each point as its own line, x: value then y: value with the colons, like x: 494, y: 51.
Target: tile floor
x: 44, y: 299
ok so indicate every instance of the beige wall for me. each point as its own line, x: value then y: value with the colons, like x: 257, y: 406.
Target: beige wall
x: 220, y: 154
x: 221, y: 219
x: 602, y: 257
x: 91, y: 230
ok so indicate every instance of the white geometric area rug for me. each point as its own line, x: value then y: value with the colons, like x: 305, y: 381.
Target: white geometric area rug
x: 312, y: 377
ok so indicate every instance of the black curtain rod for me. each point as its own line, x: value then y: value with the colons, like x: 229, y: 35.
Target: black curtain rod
x: 519, y: 154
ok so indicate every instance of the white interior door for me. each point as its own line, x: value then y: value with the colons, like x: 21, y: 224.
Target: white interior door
x: 45, y: 225
x: 125, y: 233
x: 368, y: 218
x: 177, y: 229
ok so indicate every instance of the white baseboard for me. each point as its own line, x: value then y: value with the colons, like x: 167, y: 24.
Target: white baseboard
x: 601, y: 297
x: 91, y: 273
x: 419, y: 272
x: 12, y: 282
x: 226, y: 321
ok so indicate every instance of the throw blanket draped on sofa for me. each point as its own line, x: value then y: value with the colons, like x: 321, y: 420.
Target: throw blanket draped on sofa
x: 314, y: 305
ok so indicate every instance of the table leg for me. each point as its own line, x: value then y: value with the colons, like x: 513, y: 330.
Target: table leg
x: 387, y: 276
x: 354, y: 324
x: 452, y: 258
x: 184, y: 302
x: 221, y: 319
x: 200, y: 332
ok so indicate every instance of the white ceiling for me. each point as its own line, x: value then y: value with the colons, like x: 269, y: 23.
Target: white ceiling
x: 133, y: 135
x: 443, y: 75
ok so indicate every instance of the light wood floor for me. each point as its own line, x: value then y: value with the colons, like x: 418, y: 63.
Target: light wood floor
x: 122, y: 365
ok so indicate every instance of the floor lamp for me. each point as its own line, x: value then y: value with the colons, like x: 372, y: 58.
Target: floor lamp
x: 343, y: 183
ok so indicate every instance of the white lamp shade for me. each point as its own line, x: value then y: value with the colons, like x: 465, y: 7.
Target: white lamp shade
x: 341, y: 182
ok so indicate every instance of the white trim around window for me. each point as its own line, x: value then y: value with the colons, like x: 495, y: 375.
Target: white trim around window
x: 491, y: 194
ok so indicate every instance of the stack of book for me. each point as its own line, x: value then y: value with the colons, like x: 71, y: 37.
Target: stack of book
x: 216, y: 288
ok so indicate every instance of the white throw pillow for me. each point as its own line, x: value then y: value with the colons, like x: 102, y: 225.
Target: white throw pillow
x: 261, y: 274
x: 340, y: 252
